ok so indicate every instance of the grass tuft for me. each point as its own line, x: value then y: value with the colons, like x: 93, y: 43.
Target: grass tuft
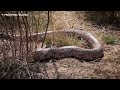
x: 109, y: 39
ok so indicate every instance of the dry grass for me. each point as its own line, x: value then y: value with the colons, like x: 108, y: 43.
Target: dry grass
x: 60, y: 40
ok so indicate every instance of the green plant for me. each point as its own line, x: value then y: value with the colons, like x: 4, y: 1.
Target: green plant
x: 92, y: 18
x: 109, y: 39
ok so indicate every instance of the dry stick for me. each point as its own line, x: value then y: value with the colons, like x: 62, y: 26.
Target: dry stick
x: 44, y: 41
x: 38, y: 22
x: 15, y: 46
x: 52, y: 29
x: 2, y: 39
x: 56, y: 70
x: 12, y: 29
x: 30, y: 34
x: 28, y: 46
x: 26, y: 35
x: 3, y: 19
x: 32, y: 45
x: 5, y: 26
x: 19, y: 24
x: 26, y: 27
x: 36, y: 28
x: 30, y: 42
x: 29, y: 49
x: 35, y: 31
x: 37, y: 34
x: 27, y: 32
x: 45, y: 31
x: 32, y: 28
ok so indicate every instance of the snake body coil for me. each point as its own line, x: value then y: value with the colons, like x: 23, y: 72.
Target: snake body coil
x: 96, y: 52
x: 43, y: 54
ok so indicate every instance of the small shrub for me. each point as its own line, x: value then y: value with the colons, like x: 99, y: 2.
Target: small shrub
x: 109, y: 39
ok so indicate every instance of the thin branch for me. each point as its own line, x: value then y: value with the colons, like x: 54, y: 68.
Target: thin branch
x: 44, y: 41
x: 56, y: 70
x: 26, y: 34
x: 46, y: 31
x: 19, y: 24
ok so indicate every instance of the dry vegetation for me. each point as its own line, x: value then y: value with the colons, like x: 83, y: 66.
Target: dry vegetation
x: 65, y: 40
x: 13, y: 62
